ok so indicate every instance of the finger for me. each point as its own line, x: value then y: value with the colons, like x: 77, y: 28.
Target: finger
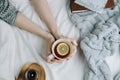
x: 48, y: 53
x: 58, y: 61
x: 73, y: 53
x: 72, y: 40
x: 74, y: 49
x: 68, y: 58
x: 74, y: 43
x: 51, y: 61
x: 48, y: 49
x: 50, y: 58
x: 60, y: 37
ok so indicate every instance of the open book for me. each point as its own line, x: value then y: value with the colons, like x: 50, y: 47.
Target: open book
x: 78, y: 8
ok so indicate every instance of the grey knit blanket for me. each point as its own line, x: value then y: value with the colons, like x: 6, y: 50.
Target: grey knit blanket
x: 100, y: 36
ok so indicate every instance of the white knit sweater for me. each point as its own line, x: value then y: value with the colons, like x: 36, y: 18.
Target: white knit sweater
x: 8, y: 12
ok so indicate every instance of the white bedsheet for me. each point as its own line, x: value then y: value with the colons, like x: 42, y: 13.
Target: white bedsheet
x: 18, y: 47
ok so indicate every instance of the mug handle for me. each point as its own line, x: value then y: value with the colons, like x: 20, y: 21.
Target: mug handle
x: 50, y: 57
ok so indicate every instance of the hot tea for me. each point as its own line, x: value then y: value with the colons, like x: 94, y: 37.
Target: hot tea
x: 62, y: 50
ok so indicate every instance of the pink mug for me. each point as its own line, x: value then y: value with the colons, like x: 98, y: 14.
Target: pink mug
x: 61, y: 49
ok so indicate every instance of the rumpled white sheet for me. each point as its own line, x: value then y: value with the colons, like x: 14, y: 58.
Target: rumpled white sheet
x: 17, y: 47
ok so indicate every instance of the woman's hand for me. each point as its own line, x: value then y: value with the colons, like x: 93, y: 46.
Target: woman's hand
x: 74, y: 43
x: 51, y: 40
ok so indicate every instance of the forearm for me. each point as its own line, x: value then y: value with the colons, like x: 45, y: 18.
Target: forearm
x: 45, y: 14
x: 11, y: 15
x: 26, y: 24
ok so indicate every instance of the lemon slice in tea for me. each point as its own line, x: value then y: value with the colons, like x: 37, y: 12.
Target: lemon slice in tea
x: 63, y: 49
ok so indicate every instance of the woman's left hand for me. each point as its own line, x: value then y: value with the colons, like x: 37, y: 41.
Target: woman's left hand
x: 74, y: 43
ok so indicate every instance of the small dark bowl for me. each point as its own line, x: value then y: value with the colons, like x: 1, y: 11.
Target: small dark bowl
x: 31, y: 75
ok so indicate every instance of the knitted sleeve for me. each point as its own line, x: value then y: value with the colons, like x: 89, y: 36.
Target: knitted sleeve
x: 8, y: 12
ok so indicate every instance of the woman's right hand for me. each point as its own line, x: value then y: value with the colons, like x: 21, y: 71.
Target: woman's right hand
x: 51, y: 40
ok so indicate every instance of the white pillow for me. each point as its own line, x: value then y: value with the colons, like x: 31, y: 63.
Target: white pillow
x: 94, y: 5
